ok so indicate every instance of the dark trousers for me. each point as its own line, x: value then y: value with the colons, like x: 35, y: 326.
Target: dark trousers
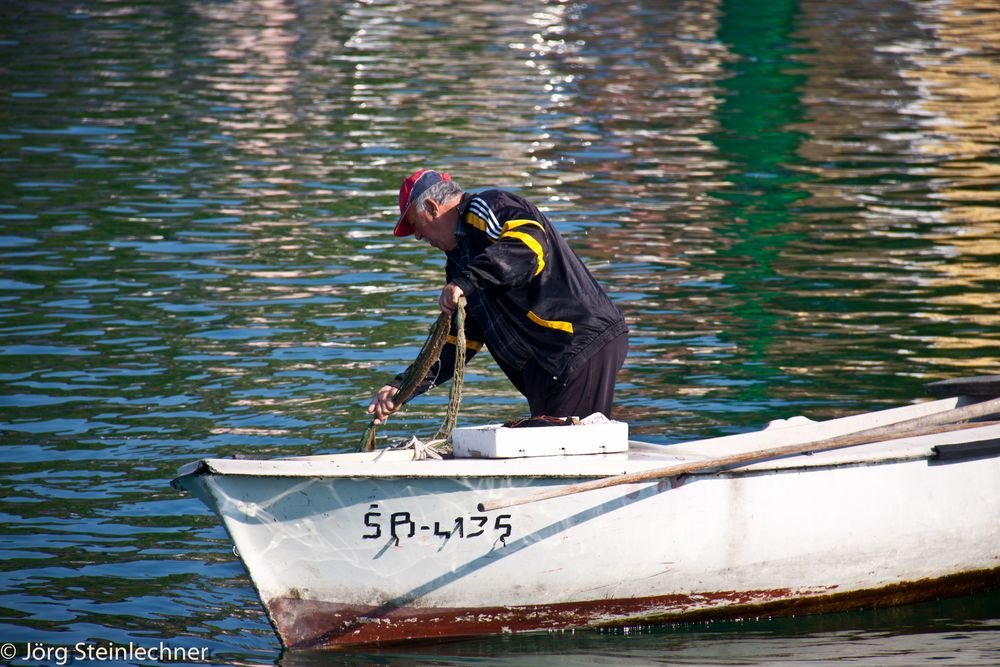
x: 590, y: 389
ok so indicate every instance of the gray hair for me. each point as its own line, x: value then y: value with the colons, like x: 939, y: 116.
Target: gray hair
x: 440, y: 192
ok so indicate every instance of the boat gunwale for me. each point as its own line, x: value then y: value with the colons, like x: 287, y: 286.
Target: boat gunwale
x: 896, y: 452
x: 642, y: 456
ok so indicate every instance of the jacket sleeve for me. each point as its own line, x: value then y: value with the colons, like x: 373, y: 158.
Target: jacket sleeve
x: 444, y: 368
x: 514, y: 260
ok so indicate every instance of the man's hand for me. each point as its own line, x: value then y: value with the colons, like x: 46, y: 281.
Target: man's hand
x: 449, y: 298
x: 382, y: 405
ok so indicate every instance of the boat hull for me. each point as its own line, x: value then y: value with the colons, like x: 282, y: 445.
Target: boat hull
x: 374, y: 559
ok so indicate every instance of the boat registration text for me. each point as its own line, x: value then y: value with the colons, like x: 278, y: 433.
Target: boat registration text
x: 401, y: 525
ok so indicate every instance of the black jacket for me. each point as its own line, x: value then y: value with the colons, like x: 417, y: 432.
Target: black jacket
x: 530, y: 298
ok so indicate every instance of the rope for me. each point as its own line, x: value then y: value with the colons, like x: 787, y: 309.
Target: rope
x: 455, y: 395
x: 415, y: 374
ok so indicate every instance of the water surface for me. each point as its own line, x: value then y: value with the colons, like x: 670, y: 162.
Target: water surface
x: 794, y: 203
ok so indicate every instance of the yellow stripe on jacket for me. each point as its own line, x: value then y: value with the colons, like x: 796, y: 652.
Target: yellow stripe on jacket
x: 474, y: 220
x: 552, y: 324
x: 526, y: 239
x: 469, y: 344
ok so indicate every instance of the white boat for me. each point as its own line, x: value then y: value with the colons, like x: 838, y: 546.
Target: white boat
x: 372, y: 548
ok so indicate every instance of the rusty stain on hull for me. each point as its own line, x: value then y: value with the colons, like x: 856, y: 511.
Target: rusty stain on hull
x: 312, y: 624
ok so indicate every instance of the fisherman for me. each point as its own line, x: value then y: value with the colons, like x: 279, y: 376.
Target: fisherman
x: 548, y: 324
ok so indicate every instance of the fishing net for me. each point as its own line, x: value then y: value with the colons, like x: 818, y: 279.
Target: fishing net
x: 429, y: 354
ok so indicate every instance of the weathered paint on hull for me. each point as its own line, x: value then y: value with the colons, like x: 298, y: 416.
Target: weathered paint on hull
x: 310, y: 624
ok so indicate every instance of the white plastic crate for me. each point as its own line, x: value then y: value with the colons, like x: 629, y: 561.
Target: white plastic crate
x: 496, y: 441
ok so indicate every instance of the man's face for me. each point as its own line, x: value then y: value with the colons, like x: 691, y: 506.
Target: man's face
x: 434, y: 224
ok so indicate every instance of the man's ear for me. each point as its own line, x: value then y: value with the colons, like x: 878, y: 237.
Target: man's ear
x: 433, y: 207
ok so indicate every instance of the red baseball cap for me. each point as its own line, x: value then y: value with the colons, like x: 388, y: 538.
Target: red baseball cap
x: 413, y: 187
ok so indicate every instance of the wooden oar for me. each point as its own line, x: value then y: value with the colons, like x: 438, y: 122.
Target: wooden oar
x: 906, y: 428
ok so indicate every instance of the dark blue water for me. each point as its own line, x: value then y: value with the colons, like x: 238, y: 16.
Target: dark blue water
x: 794, y: 203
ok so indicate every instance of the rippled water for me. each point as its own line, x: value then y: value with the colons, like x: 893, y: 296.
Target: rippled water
x: 794, y: 202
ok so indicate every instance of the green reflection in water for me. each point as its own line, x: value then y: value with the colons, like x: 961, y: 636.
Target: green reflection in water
x: 760, y: 102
